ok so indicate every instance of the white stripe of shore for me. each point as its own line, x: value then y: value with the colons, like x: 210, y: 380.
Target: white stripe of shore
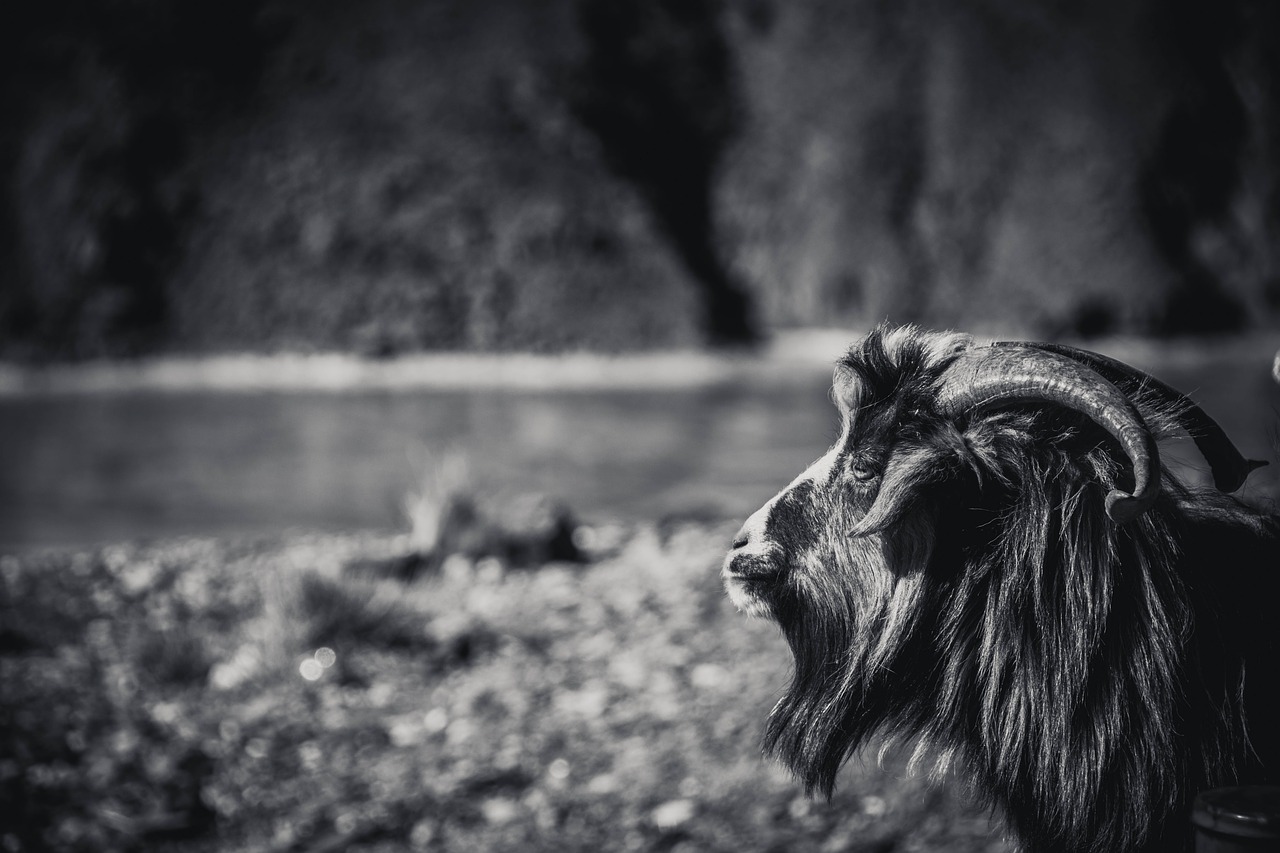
x: 782, y: 357
x: 787, y: 355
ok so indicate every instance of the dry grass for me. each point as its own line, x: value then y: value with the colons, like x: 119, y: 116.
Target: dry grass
x: 223, y: 696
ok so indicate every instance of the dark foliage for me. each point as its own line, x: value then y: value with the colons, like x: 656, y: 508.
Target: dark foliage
x: 1191, y: 178
x: 657, y: 88
x: 136, y: 84
x: 397, y: 176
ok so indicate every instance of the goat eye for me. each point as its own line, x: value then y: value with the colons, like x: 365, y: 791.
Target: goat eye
x: 864, y: 472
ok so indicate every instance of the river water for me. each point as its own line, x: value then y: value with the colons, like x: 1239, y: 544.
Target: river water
x: 85, y: 467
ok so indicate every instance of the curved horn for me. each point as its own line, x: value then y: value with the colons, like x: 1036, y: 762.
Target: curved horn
x: 989, y: 377
x: 1230, y: 468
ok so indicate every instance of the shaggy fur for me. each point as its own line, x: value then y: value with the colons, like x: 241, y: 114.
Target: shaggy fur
x: 1090, y: 677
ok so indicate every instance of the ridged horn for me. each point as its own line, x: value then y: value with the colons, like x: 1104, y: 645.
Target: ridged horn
x: 985, y: 378
x: 1230, y: 468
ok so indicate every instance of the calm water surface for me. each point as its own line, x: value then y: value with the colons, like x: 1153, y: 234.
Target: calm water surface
x: 83, y: 468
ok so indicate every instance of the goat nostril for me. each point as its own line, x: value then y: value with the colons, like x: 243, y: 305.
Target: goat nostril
x: 741, y: 540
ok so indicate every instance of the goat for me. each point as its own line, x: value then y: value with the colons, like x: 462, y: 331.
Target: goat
x: 991, y: 564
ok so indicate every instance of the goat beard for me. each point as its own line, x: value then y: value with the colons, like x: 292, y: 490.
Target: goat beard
x: 848, y: 620
x: 1053, y: 675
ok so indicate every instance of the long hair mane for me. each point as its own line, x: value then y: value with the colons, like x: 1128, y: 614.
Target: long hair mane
x: 1078, y: 668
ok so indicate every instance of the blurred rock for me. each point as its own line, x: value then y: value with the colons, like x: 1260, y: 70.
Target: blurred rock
x: 245, y: 664
x: 500, y: 810
x: 534, y: 530
x: 673, y: 814
x: 527, y: 532
x: 398, y: 567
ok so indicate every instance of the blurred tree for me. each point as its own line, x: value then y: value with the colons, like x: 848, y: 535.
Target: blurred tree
x: 105, y: 101
x: 398, y: 175
x: 1191, y: 179
x: 656, y: 87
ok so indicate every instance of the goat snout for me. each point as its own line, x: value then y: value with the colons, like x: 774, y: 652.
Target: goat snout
x: 751, y: 557
x: 752, y: 535
x: 750, y: 568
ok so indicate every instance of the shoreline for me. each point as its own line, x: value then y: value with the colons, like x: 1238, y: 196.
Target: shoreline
x: 783, y: 356
x: 786, y: 355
